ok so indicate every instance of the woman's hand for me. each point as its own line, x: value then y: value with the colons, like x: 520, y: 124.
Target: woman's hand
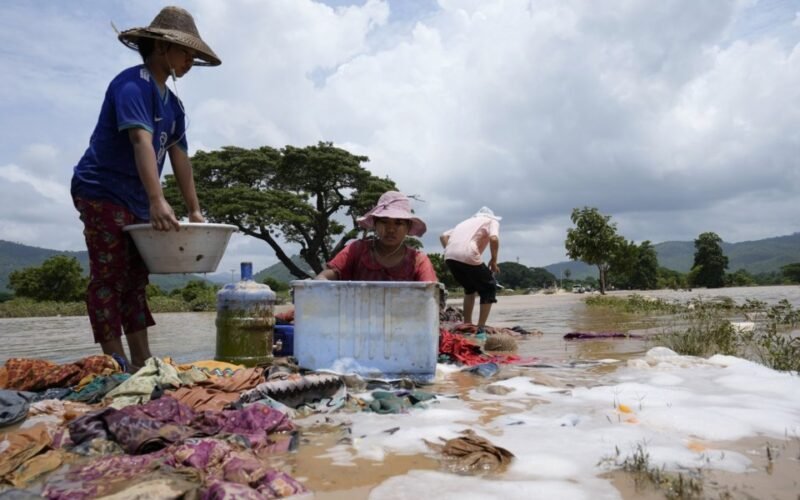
x: 196, y: 216
x: 162, y: 217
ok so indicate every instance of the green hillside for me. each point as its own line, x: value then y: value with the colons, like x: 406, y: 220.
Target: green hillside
x: 577, y: 270
x: 280, y: 272
x: 15, y: 256
x: 759, y: 256
x: 763, y: 256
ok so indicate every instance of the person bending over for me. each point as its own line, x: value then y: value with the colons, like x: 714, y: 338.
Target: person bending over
x: 463, y: 249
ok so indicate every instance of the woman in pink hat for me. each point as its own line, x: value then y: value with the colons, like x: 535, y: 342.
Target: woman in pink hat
x: 384, y: 257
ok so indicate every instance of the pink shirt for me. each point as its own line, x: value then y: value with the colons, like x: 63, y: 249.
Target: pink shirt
x: 469, y: 239
x: 356, y: 262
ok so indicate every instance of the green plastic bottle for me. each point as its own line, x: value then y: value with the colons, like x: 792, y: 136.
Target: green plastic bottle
x: 245, y: 321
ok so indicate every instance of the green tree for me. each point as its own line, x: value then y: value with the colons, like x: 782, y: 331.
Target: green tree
x: 739, y: 278
x: 59, y: 278
x: 297, y: 195
x: 593, y: 240
x: 442, y: 271
x: 622, y: 265
x: 276, y: 285
x: 541, y: 277
x: 635, y: 267
x: 709, y: 262
x: 667, y: 278
x: 193, y: 289
x: 515, y: 275
x: 200, y: 295
x: 153, y: 290
x: 791, y: 272
x: 771, y: 278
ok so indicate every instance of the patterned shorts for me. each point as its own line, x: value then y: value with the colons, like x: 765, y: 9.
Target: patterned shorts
x: 116, y: 298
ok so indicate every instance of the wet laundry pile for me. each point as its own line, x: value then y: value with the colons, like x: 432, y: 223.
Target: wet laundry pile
x: 463, y: 350
x: 188, y: 431
x: 205, y: 429
x: 470, y: 329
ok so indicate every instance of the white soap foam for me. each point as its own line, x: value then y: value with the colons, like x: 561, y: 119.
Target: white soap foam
x: 672, y: 407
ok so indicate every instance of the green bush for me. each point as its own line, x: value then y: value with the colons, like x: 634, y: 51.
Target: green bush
x: 58, y: 278
x: 22, y: 307
x: 634, y: 303
x: 276, y: 285
x: 707, y: 333
x: 702, y: 327
x: 164, y: 304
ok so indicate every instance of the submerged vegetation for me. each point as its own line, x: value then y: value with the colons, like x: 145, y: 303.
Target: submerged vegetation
x: 707, y: 327
x: 677, y: 485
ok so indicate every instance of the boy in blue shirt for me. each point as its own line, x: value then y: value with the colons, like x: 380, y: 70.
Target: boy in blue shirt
x: 117, y: 181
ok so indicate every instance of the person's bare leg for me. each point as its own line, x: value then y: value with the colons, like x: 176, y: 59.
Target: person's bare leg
x: 469, y: 304
x: 140, y: 348
x: 483, y: 314
x: 114, y: 346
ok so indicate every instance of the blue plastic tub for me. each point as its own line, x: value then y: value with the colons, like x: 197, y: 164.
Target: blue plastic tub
x: 284, y: 333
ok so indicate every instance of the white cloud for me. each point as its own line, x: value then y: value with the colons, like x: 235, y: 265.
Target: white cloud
x: 533, y: 108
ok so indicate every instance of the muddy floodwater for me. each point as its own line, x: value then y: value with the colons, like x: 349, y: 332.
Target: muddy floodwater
x: 191, y: 336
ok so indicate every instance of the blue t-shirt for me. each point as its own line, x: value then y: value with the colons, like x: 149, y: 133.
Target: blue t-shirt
x: 107, y: 170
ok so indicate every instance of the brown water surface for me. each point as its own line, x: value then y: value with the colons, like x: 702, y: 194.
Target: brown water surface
x: 191, y: 336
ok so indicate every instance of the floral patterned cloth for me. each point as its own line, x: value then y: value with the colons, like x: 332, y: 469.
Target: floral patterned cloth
x: 222, y: 470
x: 160, y: 422
x: 116, y: 298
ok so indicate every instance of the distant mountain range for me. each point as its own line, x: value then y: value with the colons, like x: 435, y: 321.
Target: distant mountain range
x: 755, y: 257
x: 760, y: 256
x: 15, y: 256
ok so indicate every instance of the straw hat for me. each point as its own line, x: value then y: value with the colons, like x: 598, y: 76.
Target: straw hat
x: 174, y: 25
x: 393, y: 205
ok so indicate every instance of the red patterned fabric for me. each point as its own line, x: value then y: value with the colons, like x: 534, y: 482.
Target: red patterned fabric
x: 36, y: 375
x: 460, y: 349
x: 468, y: 353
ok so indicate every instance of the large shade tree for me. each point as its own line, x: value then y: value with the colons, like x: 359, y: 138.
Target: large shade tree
x: 594, y: 240
x: 292, y: 195
x: 709, y: 262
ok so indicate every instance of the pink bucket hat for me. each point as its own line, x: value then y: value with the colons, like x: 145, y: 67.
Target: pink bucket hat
x: 393, y: 205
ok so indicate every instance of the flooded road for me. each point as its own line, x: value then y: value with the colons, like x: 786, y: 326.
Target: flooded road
x: 191, y: 336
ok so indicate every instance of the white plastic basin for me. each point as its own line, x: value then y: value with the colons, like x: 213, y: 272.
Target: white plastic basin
x: 383, y: 329
x: 196, y: 248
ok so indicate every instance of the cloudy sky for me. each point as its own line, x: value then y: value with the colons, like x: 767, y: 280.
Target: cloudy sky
x: 674, y: 117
